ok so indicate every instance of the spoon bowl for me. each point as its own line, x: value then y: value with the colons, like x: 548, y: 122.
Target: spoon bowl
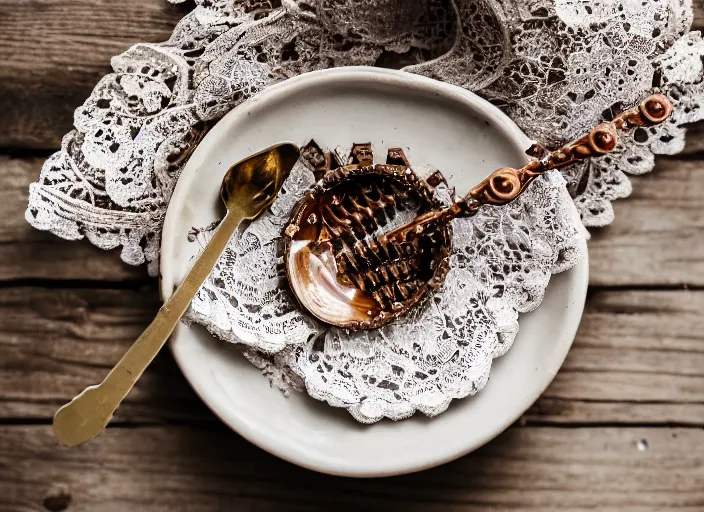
x: 250, y: 186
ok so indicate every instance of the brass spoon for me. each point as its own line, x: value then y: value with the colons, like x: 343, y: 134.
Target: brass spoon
x: 348, y: 271
x: 248, y: 188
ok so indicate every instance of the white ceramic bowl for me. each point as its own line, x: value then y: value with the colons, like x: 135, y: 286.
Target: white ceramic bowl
x: 438, y: 125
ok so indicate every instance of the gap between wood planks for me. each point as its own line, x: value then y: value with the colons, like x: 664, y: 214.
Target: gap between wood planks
x: 207, y: 422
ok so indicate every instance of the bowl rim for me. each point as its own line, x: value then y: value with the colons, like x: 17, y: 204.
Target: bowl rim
x: 348, y: 75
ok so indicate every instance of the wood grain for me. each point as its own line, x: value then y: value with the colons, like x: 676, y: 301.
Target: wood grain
x: 656, y: 236
x: 55, y: 342
x: 638, y: 358
x: 655, y: 239
x: 53, y: 52
x: 210, y: 468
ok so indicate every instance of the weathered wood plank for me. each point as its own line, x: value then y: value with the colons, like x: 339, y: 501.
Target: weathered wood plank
x: 698, y: 23
x: 54, y: 52
x: 695, y: 138
x: 194, y: 469
x: 55, y: 342
x: 638, y: 358
x: 656, y: 238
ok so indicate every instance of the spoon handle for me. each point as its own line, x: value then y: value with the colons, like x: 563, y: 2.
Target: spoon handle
x: 88, y: 414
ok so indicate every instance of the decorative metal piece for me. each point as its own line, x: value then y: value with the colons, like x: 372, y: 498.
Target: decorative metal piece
x: 353, y: 264
x: 339, y: 264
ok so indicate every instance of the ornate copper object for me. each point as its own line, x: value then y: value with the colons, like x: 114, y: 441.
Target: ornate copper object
x: 338, y: 262
x: 353, y: 265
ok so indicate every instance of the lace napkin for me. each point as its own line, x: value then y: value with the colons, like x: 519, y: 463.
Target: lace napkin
x: 501, y: 264
x: 556, y: 67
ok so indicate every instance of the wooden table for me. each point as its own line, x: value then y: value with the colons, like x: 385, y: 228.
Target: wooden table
x: 620, y: 428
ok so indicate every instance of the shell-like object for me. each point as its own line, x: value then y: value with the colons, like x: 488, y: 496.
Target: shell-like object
x: 340, y: 265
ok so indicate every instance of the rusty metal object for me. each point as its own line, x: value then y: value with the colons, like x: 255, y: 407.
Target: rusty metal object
x: 505, y: 185
x: 351, y: 266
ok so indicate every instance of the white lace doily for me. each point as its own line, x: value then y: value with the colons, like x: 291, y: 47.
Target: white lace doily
x: 556, y: 67
x: 501, y: 264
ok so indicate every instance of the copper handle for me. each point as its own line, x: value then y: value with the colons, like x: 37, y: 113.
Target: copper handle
x: 505, y: 185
